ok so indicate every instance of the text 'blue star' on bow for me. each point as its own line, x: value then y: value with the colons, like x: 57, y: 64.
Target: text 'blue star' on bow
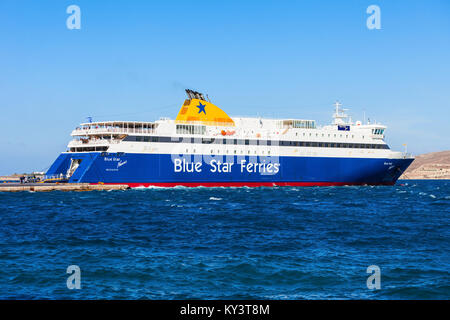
x: 201, y: 108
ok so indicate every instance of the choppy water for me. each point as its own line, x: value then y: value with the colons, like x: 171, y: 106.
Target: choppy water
x: 228, y: 243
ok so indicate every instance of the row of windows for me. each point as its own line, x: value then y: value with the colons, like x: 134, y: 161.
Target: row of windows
x: 190, y: 129
x: 304, y: 124
x: 377, y: 131
x: 88, y: 149
x: 258, y: 142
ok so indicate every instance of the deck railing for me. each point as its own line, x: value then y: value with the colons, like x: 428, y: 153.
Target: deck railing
x: 94, y: 131
x: 60, y: 176
x: 406, y: 155
x: 92, y: 142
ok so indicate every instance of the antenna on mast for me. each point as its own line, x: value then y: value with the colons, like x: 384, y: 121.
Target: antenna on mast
x: 339, y: 114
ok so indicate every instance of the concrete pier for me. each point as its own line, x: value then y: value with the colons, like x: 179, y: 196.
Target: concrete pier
x: 43, y: 187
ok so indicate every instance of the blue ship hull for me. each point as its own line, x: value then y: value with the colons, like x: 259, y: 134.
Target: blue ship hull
x: 160, y: 170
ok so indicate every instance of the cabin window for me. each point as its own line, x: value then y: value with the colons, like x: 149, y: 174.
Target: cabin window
x: 207, y: 140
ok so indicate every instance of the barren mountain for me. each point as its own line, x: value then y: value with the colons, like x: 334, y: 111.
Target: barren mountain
x: 434, y: 165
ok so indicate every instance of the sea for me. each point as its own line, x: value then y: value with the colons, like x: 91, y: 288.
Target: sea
x: 351, y: 242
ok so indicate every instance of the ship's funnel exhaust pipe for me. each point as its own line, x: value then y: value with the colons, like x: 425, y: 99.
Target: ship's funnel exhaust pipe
x: 194, y: 95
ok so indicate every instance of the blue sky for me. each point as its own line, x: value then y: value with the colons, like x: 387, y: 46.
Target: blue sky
x: 132, y: 60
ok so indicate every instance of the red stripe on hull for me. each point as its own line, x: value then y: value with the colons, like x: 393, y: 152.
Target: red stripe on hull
x: 245, y: 184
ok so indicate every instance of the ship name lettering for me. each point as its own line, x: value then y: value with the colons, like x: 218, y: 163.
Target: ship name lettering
x: 260, y: 167
x: 183, y: 166
x: 218, y: 166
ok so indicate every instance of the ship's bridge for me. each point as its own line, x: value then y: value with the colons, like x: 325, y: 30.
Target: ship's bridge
x: 377, y: 130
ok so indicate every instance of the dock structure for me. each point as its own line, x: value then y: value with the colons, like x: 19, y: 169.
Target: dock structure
x: 45, y: 187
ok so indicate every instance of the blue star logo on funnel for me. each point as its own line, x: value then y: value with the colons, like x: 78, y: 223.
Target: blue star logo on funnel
x: 201, y: 108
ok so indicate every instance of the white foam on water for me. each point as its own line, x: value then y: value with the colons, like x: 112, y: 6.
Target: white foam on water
x: 216, y: 199
x: 150, y: 187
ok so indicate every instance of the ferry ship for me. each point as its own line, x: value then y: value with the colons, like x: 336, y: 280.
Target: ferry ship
x: 204, y: 146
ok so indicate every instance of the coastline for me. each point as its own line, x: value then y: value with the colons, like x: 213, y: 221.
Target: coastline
x: 429, y: 166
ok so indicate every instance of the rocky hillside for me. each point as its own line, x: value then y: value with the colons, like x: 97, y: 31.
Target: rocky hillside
x: 435, y: 165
